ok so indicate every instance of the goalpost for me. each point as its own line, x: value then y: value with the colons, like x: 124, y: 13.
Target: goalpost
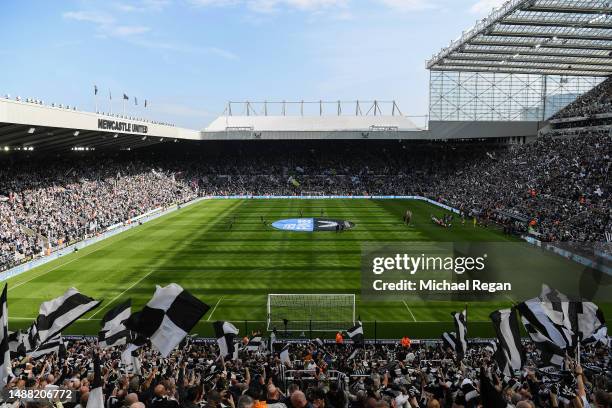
x: 315, y: 312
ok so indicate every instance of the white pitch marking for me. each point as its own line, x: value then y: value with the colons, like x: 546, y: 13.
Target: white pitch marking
x: 214, y: 308
x: 81, y: 255
x: 410, y: 311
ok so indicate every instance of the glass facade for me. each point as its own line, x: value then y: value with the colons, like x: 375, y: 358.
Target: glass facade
x: 493, y: 96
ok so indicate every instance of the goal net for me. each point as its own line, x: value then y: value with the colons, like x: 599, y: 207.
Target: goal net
x: 316, y: 312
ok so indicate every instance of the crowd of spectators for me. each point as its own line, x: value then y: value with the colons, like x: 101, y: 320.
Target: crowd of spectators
x: 597, y: 101
x: 426, y: 375
x: 47, y: 206
x: 555, y: 187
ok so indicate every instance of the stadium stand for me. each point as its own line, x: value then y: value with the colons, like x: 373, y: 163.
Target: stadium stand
x: 559, y: 184
x: 385, y: 375
x: 60, y: 185
x: 596, y: 101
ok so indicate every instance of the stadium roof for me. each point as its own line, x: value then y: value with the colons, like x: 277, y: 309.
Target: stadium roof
x: 311, y: 123
x: 34, y: 126
x: 551, y: 37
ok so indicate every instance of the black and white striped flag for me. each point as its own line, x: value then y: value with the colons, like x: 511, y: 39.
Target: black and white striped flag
x: 551, y: 339
x: 457, y: 340
x: 582, y: 318
x: 114, y: 332
x: 510, y: 354
x: 284, y: 356
x: 450, y: 339
x: 5, y: 353
x: 469, y: 391
x: 59, y: 313
x: 599, y: 336
x: 255, y: 344
x: 225, y: 332
x: 130, y: 359
x: 168, y: 317
x: 355, y: 333
x: 15, y: 345
x: 26, y: 341
x: 52, y: 345
x: 96, y: 395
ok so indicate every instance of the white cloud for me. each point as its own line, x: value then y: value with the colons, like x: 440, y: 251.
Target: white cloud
x: 184, y: 48
x: 125, y: 31
x: 222, y: 53
x: 105, y: 24
x: 142, y: 5
x: 89, y: 16
x: 483, y: 7
x: 269, y: 6
x: 409, y: 5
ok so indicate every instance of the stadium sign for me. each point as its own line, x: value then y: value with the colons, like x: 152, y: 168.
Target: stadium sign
x: 106, y: 124
x: 312, y: 224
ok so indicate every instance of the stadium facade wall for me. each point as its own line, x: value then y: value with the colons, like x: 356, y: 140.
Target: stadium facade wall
x: 438, y: 130
x: 32, y: 114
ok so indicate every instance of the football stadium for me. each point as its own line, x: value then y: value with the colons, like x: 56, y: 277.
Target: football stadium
x: 304, y: 253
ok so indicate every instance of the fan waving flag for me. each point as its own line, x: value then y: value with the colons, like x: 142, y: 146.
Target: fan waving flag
x: 355, y: 333
x: 5, y: 353
x: 284, y: 356
x: 510, y: 354
x: 581, y: 318
x: 114, y: 332
x: 59, y: 313
x: 450, y: 339
x: 96, y: 395
x: 52, y: 345
x: 458, y: 339
x: 255, y: 344
x: 168, y: 317
x: 550, y: 338
x: 225, y: 332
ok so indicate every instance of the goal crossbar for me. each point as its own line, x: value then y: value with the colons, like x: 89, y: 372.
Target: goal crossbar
x: 310, y: 312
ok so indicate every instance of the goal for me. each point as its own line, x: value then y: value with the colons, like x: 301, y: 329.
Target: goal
x: 310, y: 312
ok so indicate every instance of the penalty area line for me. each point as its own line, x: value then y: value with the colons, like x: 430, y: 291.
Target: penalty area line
x: 409, y: 311
x: 214, y: 308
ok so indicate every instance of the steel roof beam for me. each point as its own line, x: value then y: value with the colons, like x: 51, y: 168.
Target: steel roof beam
x: 525, y: 58
x: 530, y: 51
x: 561, y: 36
x: 509, y: 63
x: 567, y: 9
x: 571, y: 46
x: 501, y: 70
x: 554, y: 23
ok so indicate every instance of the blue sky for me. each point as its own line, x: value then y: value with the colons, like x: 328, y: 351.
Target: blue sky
x: 188, y: 57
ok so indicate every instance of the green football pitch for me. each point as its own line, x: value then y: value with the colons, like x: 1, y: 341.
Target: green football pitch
x: 233, y: 270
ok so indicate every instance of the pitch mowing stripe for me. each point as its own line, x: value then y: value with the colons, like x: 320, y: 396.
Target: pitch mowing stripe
x: 194, y: 248
x: 76, y: 258
x: 121, y: 294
